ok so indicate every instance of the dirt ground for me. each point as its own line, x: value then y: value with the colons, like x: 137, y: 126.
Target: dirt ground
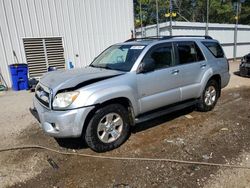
x: 219, y: 136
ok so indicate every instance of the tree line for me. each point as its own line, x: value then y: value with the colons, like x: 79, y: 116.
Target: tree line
x: 220, y: 11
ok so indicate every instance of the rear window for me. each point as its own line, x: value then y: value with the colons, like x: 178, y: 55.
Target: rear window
x: 214, y: 48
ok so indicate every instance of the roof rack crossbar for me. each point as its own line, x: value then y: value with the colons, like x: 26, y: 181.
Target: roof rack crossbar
x: 144, y: 38
x: 169, y: 37
x: 186, y: 36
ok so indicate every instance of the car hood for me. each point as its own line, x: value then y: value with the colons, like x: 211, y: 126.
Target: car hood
x: 76, y: 78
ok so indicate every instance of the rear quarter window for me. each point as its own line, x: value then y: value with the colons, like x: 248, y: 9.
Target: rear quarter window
x: 215, y: 49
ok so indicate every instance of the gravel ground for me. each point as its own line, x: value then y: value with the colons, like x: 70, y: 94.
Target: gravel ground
x: 219, y: 136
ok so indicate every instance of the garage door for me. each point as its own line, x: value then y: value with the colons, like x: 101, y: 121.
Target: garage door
x: 42, y: 53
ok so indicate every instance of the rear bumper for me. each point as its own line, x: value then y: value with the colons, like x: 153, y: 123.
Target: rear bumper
x: 61, y: 124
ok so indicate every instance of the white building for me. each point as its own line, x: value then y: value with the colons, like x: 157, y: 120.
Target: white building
x: 46, y: 33
x: 224, y: 33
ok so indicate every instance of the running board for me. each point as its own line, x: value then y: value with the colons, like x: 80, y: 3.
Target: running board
x: 161, y: 112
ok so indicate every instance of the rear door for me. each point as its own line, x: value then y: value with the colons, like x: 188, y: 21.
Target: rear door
x: 161, y: 86
x: 192, y: 66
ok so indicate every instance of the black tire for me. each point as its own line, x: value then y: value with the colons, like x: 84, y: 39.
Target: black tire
x: 202, y: 105
x: 91, y: 136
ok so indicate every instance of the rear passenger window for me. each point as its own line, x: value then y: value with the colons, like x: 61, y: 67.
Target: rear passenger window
x: 189, y: 52
x: 214, y: 48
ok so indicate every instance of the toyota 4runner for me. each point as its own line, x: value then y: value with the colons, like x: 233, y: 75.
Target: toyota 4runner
x: 128, y: 83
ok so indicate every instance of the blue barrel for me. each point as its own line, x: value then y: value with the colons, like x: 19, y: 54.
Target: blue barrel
x: 19, y: 76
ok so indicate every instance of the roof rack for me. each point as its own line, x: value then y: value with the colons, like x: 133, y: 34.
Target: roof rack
x: 168, y: 37
x: 145, y: 38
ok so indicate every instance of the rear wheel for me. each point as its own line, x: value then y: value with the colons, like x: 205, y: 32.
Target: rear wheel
x: 108, y: 128
x: 209, y: 96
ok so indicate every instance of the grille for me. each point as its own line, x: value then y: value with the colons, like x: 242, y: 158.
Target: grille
x: 43, y: 95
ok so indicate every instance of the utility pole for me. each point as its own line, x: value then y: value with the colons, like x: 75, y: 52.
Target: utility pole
x: 141, y: 19
x: 236, y: 30
x: 157, y: 19
x: 170, y: 23
x: 207, y: 21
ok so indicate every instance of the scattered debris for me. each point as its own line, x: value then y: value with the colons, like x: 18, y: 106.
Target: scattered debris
x: 236, y: 95
x: 224, y: 129
x: 206, y: 157
x: 169, y: 141
x: 238, y: 99
x: 189, y: 116
x: 121, y: 185
x: 178, y: 141
x: 194, y: 167
x: 212, y: 175
x: 53, y: 163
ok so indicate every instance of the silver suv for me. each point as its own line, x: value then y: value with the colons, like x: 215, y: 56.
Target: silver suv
x: 131, y: 82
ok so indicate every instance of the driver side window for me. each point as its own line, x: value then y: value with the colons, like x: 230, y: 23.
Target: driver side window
x: 161, y: 55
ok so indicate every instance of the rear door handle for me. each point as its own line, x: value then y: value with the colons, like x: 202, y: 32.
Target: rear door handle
x: 203, y: 65
x: 175, y: 71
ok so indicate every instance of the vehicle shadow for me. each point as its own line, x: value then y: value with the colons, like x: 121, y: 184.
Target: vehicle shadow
x: 162, y: 119
x: 237, y: 73
x: 79, y: 143
x: 71, y: 143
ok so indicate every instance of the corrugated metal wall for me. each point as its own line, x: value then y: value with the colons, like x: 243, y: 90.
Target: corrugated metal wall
x: 224, y: 33
x: 86, y: 26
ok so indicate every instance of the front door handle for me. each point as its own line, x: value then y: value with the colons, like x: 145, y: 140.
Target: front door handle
x: 203, y: 65
x: 175, y: 71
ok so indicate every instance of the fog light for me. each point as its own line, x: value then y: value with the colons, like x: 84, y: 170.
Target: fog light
x: 55, y: 126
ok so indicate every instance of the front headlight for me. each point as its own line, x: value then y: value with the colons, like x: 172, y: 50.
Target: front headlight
x: 63, y: 100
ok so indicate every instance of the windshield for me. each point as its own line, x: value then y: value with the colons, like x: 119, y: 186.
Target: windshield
x: 118, y: 57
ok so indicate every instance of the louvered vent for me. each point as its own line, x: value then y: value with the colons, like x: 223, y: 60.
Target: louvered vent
x: 42, y: 53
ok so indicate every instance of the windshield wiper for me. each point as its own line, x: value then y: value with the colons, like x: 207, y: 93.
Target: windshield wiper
x: 96, y: 66
x: 106, y: 67
x: 110, y: 68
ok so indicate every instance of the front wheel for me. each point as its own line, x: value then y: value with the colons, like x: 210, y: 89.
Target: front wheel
x: 209, y: 96
x: 108, y: 128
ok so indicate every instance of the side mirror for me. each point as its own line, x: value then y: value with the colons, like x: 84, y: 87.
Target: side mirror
x: 146, y: 66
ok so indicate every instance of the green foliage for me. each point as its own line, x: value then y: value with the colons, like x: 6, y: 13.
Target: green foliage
x: 220, y: 11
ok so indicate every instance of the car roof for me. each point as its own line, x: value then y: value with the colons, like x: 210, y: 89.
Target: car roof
x: 153, y: 39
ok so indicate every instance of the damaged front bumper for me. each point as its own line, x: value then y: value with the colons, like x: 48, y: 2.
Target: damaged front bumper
x: 61, y: 124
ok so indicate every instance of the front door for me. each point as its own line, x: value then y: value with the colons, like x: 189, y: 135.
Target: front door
x: 161, y: 86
